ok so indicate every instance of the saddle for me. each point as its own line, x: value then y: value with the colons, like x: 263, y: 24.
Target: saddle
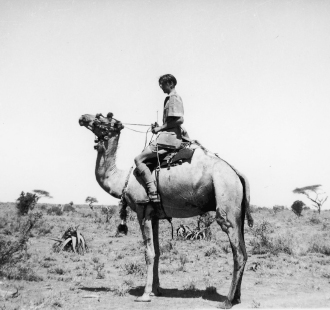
x: 172, y: 157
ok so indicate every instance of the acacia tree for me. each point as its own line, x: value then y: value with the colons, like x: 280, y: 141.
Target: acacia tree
x: 313, y: 193
x: 91, y: 200
x: 41, y: 193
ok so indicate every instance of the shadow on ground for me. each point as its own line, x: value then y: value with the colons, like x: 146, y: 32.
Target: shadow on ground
x: 96, y: 289
x: 176, y: 293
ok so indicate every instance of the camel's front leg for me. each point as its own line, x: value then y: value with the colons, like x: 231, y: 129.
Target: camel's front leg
x: 155, y: 283
x: 147, y: 234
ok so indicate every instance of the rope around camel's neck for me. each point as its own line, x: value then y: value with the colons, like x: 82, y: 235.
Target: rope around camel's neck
x: 108, y: 176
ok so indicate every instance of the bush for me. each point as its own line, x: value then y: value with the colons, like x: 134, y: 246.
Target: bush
x: 11, y: 252
x: 261, y: 242
x: 167, y: 247
x: 26, y: 202
x: 69, y: 208
x: 21, y: 273
x: 109, y: 212
x: 211, y: 251
x: 315, y: 220
x: 55, y: 210
x: 134, y: 268
x: 319, y: 245
x: 282, y: 244
x: 277, y: 209
x: 297, y: 207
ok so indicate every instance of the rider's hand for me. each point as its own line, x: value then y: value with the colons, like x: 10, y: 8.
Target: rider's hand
x: 155, y: 130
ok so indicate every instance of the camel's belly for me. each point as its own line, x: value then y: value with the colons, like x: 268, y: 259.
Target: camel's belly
x: 187, y: 191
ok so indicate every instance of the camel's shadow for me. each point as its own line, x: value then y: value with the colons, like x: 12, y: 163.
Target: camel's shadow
x: 176, y: 293
x: 96, y: 289
x: 165, y: 292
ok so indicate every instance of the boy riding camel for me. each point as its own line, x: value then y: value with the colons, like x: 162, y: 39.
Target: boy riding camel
x: 170, y: 133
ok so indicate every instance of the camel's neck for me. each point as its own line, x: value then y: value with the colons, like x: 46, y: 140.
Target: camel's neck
x: 107, y: 175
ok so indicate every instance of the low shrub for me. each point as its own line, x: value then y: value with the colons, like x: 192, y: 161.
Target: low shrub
x: 277, y: 208
x: 19, y: 272
x: 211, y: 251
x: 121, y: 290
x: 134, y: 268
x: 190, y: 286
x: 12, y: 251
x: 281, y: 244
x: 315, y: 220
x: 319, y: 245
x: 261, y: 241
x: 69, y: 208
x: 55, y: 210
x: 183, y: 259
x: 167, y: 247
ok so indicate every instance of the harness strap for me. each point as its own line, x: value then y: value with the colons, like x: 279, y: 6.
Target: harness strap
x: 122, y: 198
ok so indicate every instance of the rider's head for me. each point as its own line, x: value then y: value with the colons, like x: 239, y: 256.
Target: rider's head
x: 167, y: 80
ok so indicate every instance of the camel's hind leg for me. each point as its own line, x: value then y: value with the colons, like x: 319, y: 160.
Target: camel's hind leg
x: 234, y: 232
x: 230, y: 219
x: 145, y: 221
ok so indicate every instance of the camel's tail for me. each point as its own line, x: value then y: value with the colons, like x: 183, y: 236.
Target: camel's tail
x: 246, y: 199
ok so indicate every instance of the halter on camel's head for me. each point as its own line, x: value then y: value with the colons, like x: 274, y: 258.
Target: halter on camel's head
x: 102, y: 127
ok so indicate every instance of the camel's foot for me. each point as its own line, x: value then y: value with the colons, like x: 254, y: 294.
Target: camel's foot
x: 144, y: 298
x: 236, y: 301
x: 156, y: 292
x: 225, y: 304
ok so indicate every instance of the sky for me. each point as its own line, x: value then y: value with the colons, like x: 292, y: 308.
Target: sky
x: 253, y: 75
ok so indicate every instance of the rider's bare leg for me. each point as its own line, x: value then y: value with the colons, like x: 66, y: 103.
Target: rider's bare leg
x: 145, y: 173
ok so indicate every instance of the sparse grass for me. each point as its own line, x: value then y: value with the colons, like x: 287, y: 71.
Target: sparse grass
x: 121, y: 290
x: 320, y: 245
x: 167, y: 247
x: 190, y: 285
x: 100, y: 271
x: 134, y: 268
x: 226, y: 248
x: 300, y: 247
x: 20, y: 272
x: 183, y: 259
x: 255, y: 304
x: 211, y: 251
x: 315, y: 220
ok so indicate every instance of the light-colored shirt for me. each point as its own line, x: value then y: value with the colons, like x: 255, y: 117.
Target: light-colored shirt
x: 173, y: 107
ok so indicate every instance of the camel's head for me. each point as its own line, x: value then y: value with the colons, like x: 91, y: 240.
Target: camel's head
x: 103, y: 127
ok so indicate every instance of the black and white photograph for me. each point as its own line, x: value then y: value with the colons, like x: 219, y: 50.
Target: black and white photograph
x: 164, y: 154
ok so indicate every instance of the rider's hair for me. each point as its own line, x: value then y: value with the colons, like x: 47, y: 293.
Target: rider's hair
x: 167, y: 78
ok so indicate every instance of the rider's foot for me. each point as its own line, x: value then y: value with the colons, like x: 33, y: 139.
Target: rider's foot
x: 154, y: 197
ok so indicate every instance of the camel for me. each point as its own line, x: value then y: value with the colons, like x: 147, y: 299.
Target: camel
x: 206, y: 183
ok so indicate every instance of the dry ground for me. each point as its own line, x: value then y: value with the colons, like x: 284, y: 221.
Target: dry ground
x: 288, y: 266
